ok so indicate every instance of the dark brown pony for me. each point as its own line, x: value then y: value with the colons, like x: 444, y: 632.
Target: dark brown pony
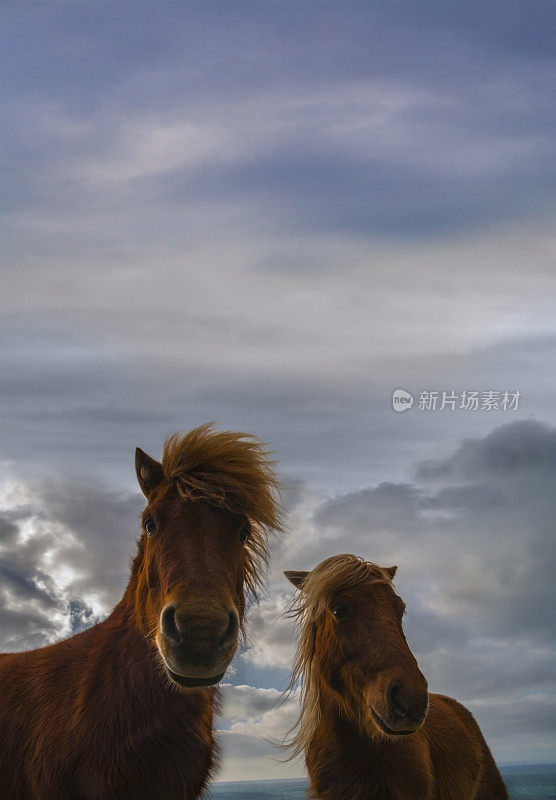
x: 124, y: 710
x: 368, y: 726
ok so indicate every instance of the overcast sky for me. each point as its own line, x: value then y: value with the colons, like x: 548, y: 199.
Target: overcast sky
x: 272, y: 215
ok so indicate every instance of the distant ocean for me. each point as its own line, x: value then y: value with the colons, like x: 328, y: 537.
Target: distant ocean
x: 524, y: 782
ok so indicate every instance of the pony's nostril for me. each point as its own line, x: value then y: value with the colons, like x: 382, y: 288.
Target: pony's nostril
x: 398, y: 703
x: 230, y: 633
x: 168, y: 625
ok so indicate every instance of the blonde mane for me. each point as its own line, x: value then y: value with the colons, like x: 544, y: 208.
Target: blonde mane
x: 231, y: 470
x: 318, y: 589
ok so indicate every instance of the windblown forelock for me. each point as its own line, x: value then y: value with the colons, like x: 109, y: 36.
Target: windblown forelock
x: 332, y: 575
x: 230, y: 470
x: 320, y: 586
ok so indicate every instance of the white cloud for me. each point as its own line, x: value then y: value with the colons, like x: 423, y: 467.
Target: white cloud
x: 256, y: 722
x: 379, y: 298
x: 271, y: 639
x: 149, y: 147
x: 267, y: 713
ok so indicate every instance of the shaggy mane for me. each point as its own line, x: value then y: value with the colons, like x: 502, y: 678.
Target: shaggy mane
x: 231, y: 470
x: 319, y: 587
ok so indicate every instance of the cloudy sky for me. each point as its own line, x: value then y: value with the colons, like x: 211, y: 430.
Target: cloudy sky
x: 272, y: 215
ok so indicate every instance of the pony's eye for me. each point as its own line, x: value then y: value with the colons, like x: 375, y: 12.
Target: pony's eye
x: 244, y: 533
x: 150, y: 526
x: 340, y: 611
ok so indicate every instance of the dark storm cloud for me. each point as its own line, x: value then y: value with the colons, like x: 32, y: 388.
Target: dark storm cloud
x: 389, y: 504
x: 26, y: 629
x: 489, y: 536
x: 23, y: 588
x: 106, y: 523
x: 514, y: 448
x: 466, y: 498
x: 8, y: 530
x: 69, y: 542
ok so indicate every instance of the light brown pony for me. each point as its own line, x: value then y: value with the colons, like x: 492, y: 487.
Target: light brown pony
x: 368, y: 727
x: 124, y: 710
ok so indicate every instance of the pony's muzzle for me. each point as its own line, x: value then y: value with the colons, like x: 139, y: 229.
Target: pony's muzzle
x: 197, y: 645
x: 406, y: 707
x: 401, y: 708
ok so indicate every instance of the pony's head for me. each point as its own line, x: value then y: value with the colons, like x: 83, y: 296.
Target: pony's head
x: 352, y: 649
x: 211, y: 503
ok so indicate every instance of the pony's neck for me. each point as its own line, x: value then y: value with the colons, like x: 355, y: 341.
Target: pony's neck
x: 121, y: 642
x: 130, y: 609
x: 124, y: 640
x: 343, y: 717
x: 343, y: 760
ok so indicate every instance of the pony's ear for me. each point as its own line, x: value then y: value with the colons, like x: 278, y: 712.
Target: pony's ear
x: 296, y: 577
x: 391, y: 571
x: 149, y: 472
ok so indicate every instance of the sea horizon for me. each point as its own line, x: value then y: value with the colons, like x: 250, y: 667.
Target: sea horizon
x: 524, y: 780
x: 501, y: 765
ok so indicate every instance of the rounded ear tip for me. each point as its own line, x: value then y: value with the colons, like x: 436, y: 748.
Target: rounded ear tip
x: 391, y: 571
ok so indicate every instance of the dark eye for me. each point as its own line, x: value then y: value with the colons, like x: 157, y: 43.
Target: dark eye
x: 244, y: 533
x: 340, y: 611
x: 150, y: 526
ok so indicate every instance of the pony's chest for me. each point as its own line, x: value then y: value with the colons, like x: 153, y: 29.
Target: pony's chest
x: 350, y: 770
x: 175, y: 768
x: 343, y: 781
x: 165, y: 755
